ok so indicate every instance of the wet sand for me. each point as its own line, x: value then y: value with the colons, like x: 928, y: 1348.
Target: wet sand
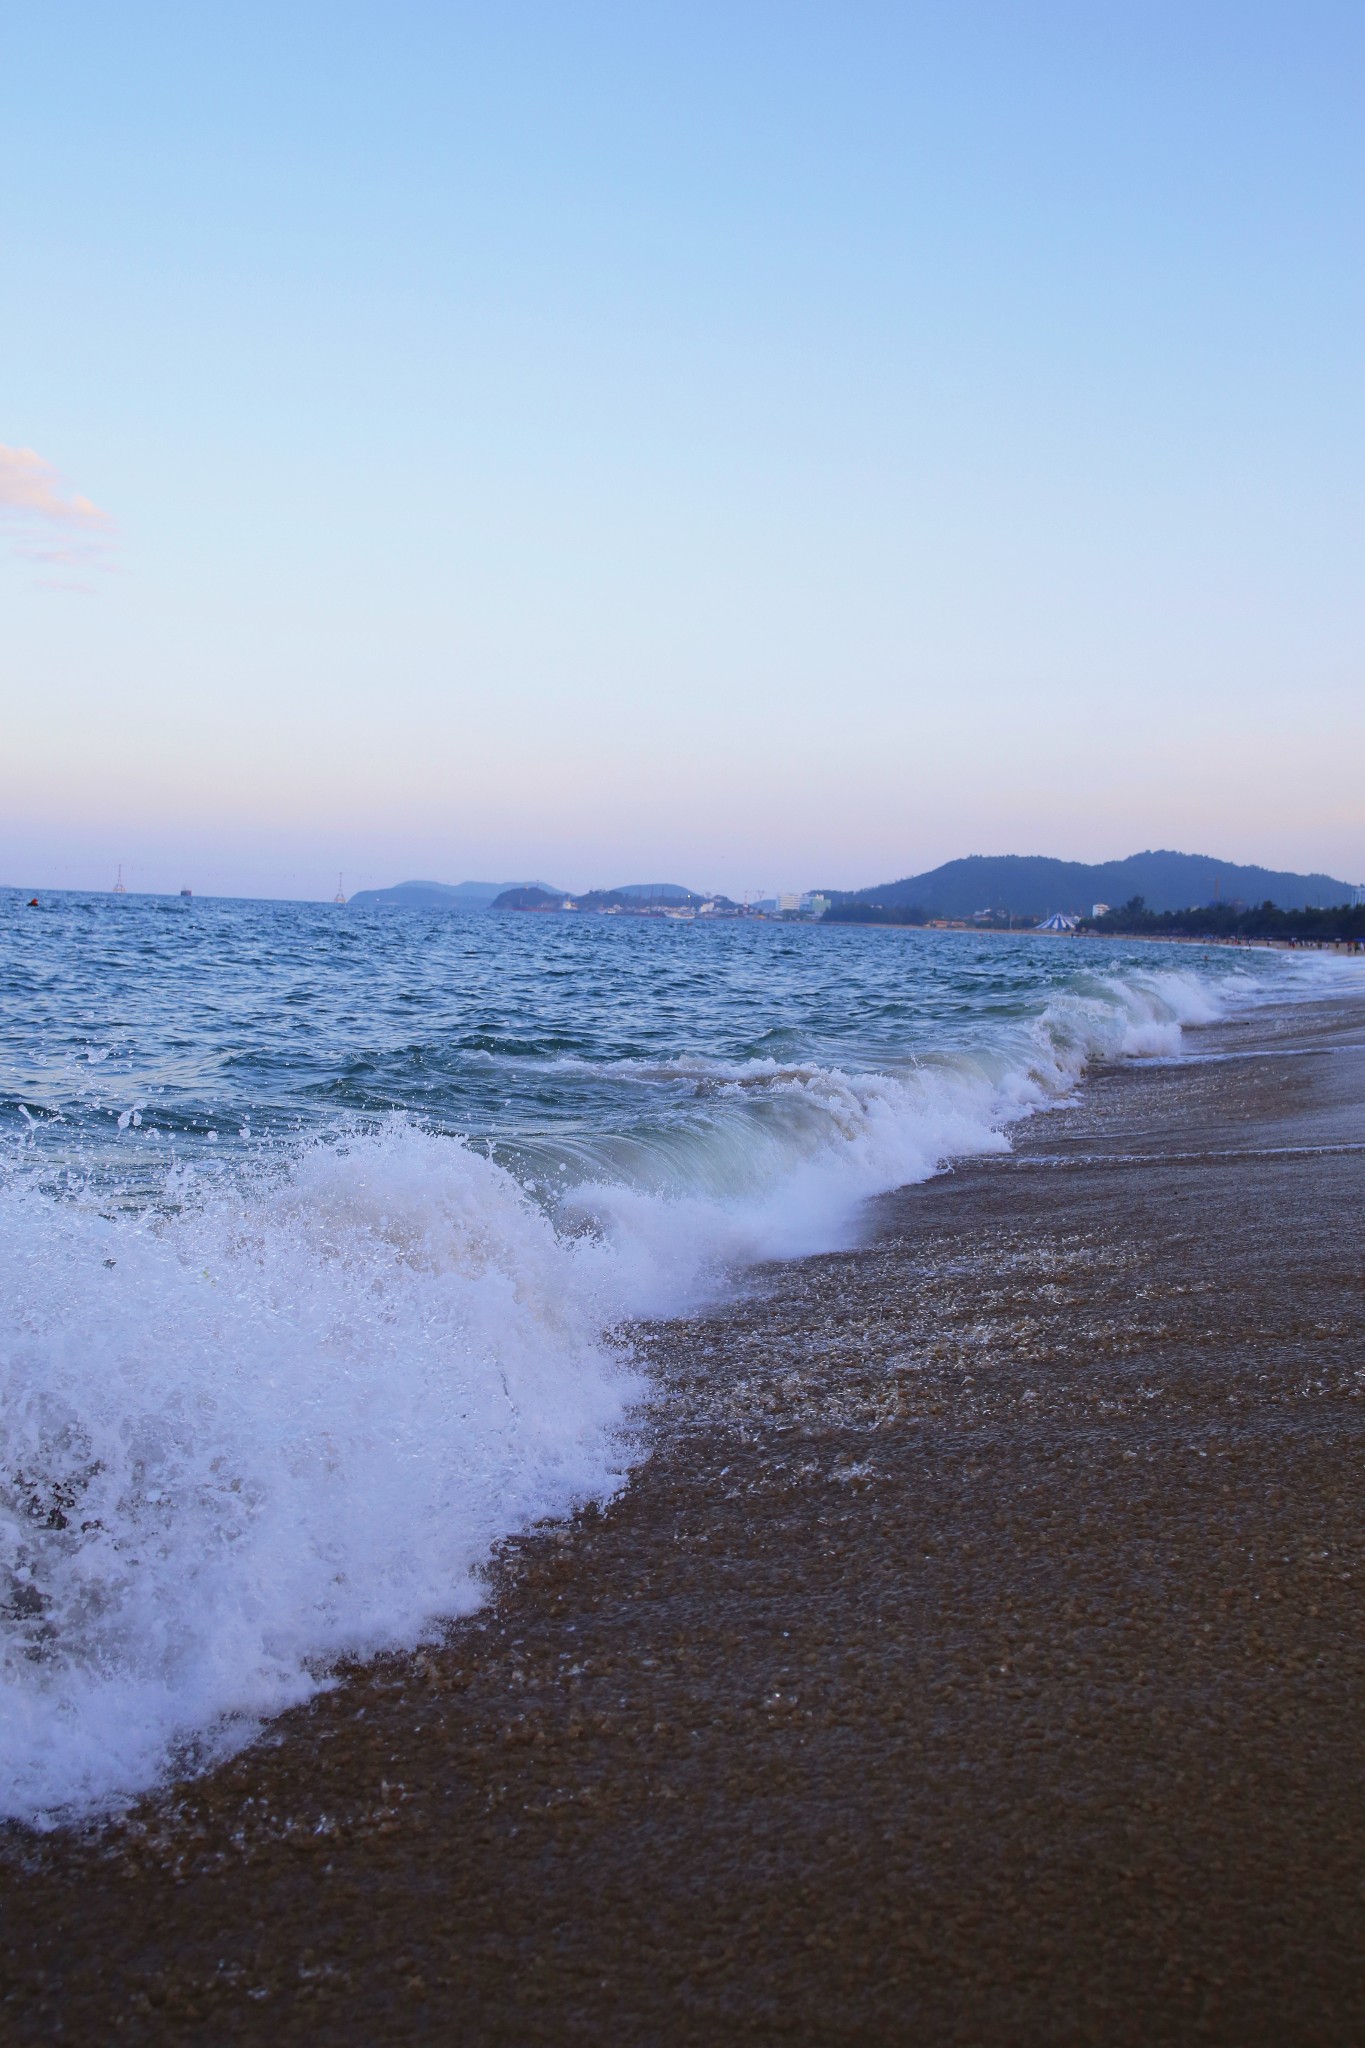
x: 977, y: 1658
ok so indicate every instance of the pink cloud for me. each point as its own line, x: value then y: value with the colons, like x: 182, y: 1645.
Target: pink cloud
x: 29, y: 483
x: 51, y: 524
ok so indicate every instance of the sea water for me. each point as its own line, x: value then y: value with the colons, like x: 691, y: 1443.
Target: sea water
x: 322, y: 1232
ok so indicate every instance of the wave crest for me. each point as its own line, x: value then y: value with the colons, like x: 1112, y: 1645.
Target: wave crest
x: 272, y: 1421
x: 283, y: 1424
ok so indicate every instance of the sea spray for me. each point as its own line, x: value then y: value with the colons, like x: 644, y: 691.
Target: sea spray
x: 280, y: 1424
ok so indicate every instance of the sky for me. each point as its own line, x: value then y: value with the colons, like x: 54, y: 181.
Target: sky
x: 755, y: 445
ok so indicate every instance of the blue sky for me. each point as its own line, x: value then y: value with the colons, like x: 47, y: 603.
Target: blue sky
x: 754, y: 445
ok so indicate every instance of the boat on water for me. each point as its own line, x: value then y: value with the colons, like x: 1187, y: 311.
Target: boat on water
x: 187, y: 892
x: 340, y: 896
x: 120, y: 887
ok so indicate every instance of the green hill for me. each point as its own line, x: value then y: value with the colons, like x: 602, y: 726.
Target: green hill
x: 436, y: 895
x: 1032, y: 885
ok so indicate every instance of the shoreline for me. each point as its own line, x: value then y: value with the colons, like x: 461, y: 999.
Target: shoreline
x: 1341, y: 948
x: 975, y: 1658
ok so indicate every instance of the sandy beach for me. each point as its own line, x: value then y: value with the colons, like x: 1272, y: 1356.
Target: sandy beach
x: 975, y: 1659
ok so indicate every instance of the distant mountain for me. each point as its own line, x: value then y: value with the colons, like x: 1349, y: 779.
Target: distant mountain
x: 651, y: 896
x: 671, y: 893
x: 630, y: 896
x: 439, y: 895
x: 1031, y: 885
x: 530, y: 896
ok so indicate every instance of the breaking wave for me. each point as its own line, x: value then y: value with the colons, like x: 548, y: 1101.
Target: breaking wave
x: 276, y: 1426
x: 277, y: 1415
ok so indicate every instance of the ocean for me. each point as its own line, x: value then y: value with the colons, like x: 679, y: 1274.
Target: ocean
x: 324, y: 1233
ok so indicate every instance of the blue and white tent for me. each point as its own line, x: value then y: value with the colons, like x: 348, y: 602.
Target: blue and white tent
x: 1059, y: 922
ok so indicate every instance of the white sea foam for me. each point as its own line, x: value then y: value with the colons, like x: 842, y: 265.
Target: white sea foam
x: 789, y: 1155
x: 282, y: 1424
x: 273, y: 1420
